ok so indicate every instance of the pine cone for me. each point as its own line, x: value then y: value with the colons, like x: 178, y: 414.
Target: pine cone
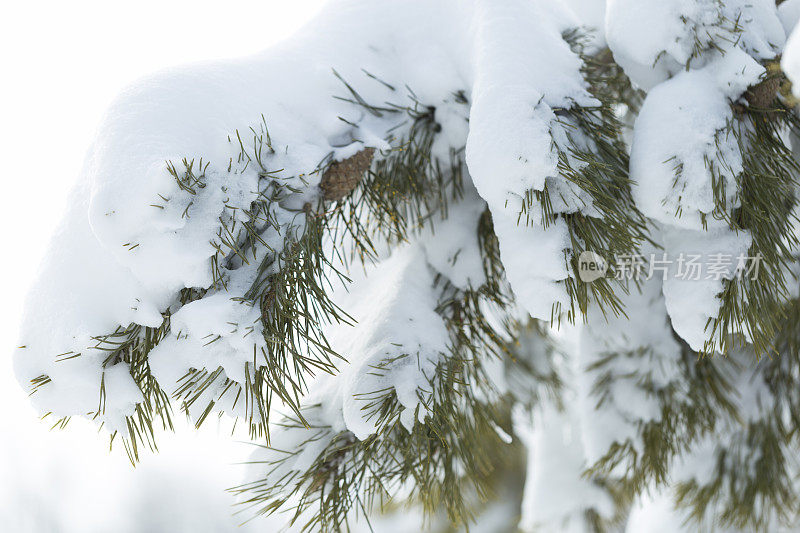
x: 342, y: 176
x: 761, y: 95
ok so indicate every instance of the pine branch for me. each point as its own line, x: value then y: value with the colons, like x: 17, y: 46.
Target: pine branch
x: 752, y: 305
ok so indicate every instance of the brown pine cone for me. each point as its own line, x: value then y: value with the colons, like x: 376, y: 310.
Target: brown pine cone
x: 342, y: 176
x: 762, y: 95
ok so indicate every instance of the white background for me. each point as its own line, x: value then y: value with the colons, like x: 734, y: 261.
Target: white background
x: 62, y: 63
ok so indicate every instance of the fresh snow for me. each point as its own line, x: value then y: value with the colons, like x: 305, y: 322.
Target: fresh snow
x: 680, y: 142
x: 132, y: 238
